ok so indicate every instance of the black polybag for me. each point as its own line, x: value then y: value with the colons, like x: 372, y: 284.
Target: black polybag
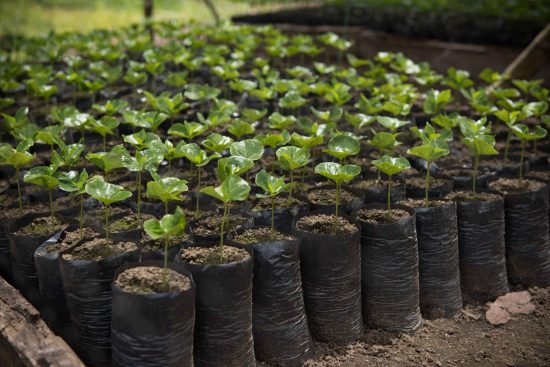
x: 87, y: 287
x: 154, y: 329
x: 527, y: 237
x: 53, y: 308
x: 223, y: 318
x: 283, y: 217
x: 22, y: 248
x: 389, y: 267
x: 481, y: 250
x: 6, y: 227
x: 279, y: 323
x: 346, y: 208
x: 437, y: 233
x: 379, y: 194
x: 331, y: 280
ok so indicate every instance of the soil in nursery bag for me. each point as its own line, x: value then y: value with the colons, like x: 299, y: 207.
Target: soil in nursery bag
x: 150, y: 249
x: 330, y: 261
x: 223, y: 305
x: 376, y: 191
x: 389, y: 268
x: 54, y: 308
x: 87, y: 272
x: 439, y: 274
x: 324, y: 198
x: 207, y: 227
x: 527, y: 236
x: 281, y: 333
x: 462, y: 178
x: 127, y: 228
x: 32, y: 233
x: 481, y: 245
x: 284, y: 213
x: 439, y: 187
x: 152, y: 325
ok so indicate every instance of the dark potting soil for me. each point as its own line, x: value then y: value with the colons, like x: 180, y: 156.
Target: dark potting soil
x: 514, y: 185
x: 211, y: 256
x: 327, y: 196
x: 209, y: 225
x: 129, y: 222
x: 98, y: 249
x: 420, y: 182
x: 471, y: 196
x: 67, y: 201
x: 365, y: 183
x: 147, y: 243
x: 14, y: 211
x: 463, y: 172
x: 325, y: 224
x: 149, y: 279
x: 71, y: 239
x: 380, y: 216
x: 99, y: 213
x: 280, y: 202
x: 260, y: 235
x: 420, y: 203
x: 41, y: 226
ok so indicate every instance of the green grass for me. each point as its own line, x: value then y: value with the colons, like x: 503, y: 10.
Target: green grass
x: 35, y: 17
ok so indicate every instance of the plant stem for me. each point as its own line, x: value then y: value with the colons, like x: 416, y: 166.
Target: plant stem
x: 388, y: 214
x: 104, y: 143
x: 139, y: 197
x: 197, y: 208
x: 51, y: 203
x: 291, y: 187
x: 165, y: 269
x: 81, y: 215
x: 427, y: 185
x: 272, y: 215
x: 225, y: 211
x: 476, y: 165
x: 107, y: 210
x: 19, y: 190
x: 521, y: 159
x: 169, y: 166
x: 165, y: 207
x: 337, y: 197
x: 507, y: 146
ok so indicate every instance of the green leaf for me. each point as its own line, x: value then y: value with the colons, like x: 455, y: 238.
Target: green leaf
x: 107, y: 161
x: 292, y: 100
x: 233, y: 188
x: 234, y: 165
x: 43, y: 176
x: 240, y: 128
x: 337, y: 172
x: 187, y: 130
x: 535, y: 108
x: 248, y: 148
x: 480, y: 144
x: 217, y: 143
x: 391, y: 123
x: 522, y: 131
x: 193, y: 153
x: 359, y: 120
x: 292, y: 157
x: 428, y: 151
x: 306, y: 141
x: 105, y: 192
x: 165, y: 189
x: 252, y: 115
x: 73, y: 181
x: 280, y: 122
x: 270, y: 184
x: 435, y: 100
x: 383, y: 141
x: 170, y: 225
x: 141, y: 139
x: 391, y: 165
x: 15, y: 157
x: 342, y: 146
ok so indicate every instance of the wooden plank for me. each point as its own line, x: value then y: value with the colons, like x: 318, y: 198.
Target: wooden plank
x: 25, y: 339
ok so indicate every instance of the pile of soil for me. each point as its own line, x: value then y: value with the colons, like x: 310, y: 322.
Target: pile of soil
x: 72, y: 238
x: 514, y: 185
x: 327, y: 196
x: 468, y: 340
x: 99, y: 249
x: 209, y: 225
x: 260, y: 235
x: 42, y: 226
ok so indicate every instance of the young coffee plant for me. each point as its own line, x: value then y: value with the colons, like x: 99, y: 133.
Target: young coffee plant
x: 272, y: 187
x: 391, y: 166
x: 338, y: 174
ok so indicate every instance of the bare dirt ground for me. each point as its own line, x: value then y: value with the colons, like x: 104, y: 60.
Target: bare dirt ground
x: 468, y: 340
